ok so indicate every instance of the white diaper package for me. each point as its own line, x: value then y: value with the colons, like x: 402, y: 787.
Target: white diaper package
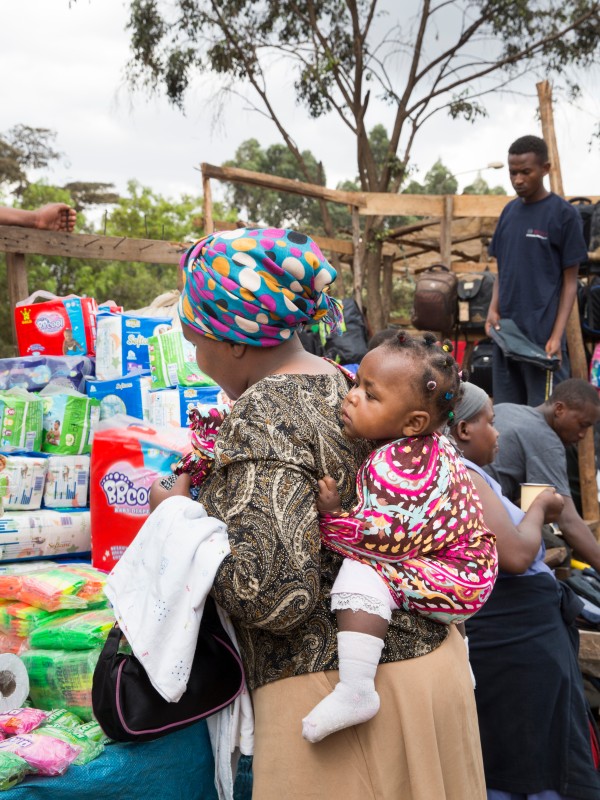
x: 22, y: 479
x: 122, y: 343
x: 172, y: 406
x: 44, y: 534
x: 67, y: 482
x: 126, y: 395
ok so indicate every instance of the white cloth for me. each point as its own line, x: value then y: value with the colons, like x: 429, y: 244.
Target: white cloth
x: 159, y: 586
x: 179, y: 546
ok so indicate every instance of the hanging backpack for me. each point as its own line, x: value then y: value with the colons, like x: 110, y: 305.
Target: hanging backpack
x: 590, y: 218
x: 351, y: 345
x: 435, y: 300
x: 474, y: 296
x: 588, y: 295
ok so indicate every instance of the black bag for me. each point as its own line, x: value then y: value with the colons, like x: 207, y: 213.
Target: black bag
x: 129, y: 709
x: 474, y: 296
x: 588, y: 295
x: 479, y: 367
x: 590, y: 217
x: 350, y: 346
x: 516, y: 346
x: 434, y: 305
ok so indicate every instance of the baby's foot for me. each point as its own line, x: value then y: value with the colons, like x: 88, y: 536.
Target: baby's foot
x: 345, y: 706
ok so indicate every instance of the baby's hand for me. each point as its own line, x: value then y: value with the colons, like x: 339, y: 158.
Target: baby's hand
x: 328, y: 501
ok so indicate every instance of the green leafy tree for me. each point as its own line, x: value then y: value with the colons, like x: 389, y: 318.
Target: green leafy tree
x: 341, y: 52
x: 23, y: 148
x: 481, y: 186
x: 439, y: 180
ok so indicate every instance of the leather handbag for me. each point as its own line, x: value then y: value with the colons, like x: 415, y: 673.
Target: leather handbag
x: 128, y: 707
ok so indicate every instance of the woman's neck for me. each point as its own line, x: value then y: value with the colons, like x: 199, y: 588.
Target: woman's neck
x: 289, y: 358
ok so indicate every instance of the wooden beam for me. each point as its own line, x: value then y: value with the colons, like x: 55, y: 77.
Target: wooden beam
x: 446, y: 232
x: 357, y: 277
x: 236, y: 175
x: 579, y: 369
x: 17, y: 286
x: 208, y: 205
x: 106, y: 248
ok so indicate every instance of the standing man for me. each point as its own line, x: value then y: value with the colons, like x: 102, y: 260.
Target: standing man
x: 539, y: 245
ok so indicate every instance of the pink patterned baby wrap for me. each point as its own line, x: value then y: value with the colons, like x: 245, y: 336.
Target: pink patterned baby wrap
x: 419, y: 523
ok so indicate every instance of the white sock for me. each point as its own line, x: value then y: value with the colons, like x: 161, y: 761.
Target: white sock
x: 354, y: 699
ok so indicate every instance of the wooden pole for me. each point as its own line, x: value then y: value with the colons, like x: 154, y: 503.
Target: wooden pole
x: 357, y: 277
x: 208, y: 206
x: 446, y: 231
x: 16, y: 268
x: 579, y: 368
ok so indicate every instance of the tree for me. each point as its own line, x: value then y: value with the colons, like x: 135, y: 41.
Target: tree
x: 439, y: 180
x: 23, y: 148
x: 343, y: 52
x: 481, y: 186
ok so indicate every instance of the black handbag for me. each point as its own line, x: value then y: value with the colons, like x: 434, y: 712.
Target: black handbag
x: 129, y: 709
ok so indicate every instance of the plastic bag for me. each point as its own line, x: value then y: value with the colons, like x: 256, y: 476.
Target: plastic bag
x: 62, y: 679
x: 81, y: 631
x: 21, y: 720
x: 51, y: 590
x: 13, y: 769
x: 88, y: 748
x: 21, y: 619
x: 62, y: 717
x: 92, y: 590
x: 45, y: 754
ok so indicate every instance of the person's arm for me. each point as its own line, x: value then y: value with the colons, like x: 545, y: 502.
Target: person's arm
x: 493, y: 315
x: 52, y: 217
x: 578, y: 536
x: 517, y: 545
x: 568, y: 294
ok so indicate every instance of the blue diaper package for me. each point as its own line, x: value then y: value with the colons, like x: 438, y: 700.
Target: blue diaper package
x: 35, y: 372
x: 122, y: 343
x: 125, y: 395
x: 171, y: 406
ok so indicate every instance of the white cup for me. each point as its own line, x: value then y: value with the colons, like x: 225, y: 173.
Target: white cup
x: 529, y: 491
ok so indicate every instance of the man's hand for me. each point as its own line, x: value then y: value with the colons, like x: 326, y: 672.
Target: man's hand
x: 553, y: 347
x: 492, y: 321
x: 55, y: 217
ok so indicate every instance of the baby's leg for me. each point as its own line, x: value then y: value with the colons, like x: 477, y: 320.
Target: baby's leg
x: 364, y: 607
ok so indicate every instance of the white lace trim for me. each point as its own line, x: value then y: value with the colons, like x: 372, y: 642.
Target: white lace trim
x: 342, y: 601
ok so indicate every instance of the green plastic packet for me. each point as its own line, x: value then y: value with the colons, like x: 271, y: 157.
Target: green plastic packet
x: 82, y: 631
x: 13, y: 769
x: 89, y: 749
x: 62, y: 717
x: 93, y: 731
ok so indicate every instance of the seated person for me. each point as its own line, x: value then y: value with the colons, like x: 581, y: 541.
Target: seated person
x: 533, y: 451
x: 537, y: 734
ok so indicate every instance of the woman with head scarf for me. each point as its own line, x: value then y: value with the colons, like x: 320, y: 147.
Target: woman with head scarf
x: 536, y: 736
x: 246, y: 293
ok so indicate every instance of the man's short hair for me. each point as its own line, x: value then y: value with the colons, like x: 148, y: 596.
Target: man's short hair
x: 530, y: 144
x: 575, y: 393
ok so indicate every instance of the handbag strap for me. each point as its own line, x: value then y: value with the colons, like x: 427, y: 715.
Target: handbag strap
x: 111, y: 646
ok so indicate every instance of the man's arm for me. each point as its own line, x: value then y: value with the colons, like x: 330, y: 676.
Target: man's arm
x: 52, y: 217
x: 493, y: 315
x: 568, y: 294
x: 578, y: 536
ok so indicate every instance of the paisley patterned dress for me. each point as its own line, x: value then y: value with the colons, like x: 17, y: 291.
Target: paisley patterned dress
x: 419, y: 523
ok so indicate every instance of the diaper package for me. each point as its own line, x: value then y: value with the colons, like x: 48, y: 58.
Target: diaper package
x: 21, y: 415
x: 69, y: 419
x: 36, y: 372
x: 171, y: 406
x: 127, y: 457
x: 122, y: 343
x: 173, y: 362
x: 67, y: 482
x: 44, y: 534
x: 58, y: 326
x: 22, y: 477
x: 126, y: 395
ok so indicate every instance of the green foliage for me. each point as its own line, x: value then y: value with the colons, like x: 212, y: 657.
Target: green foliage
x: 22, y: 148
x: 439, y: 180
x: 481, y: 186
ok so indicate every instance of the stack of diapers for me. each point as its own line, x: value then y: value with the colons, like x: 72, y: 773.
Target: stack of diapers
x: 173, y: 362
x: 122, y: 343
x: 36, y: 372
x: 69, y: 420
x: 21, y: 414
x: 126, y: 395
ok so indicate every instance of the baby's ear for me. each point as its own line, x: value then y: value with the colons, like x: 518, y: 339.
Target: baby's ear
x: 416, y: 423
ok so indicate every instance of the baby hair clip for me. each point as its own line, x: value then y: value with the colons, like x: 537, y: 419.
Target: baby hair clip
x: 451, y: 415
x: 448, y: 395
x: 447, y: 348
x: 431, y: 385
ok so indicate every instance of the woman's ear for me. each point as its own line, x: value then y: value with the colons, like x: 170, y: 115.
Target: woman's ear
x: 416, y: 423
x: 461, y: 431
x: 237, y: 349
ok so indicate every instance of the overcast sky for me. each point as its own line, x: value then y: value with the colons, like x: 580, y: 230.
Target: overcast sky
x: 62, y: 68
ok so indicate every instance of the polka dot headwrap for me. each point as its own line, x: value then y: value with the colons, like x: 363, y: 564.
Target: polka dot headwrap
x: 256, y: 286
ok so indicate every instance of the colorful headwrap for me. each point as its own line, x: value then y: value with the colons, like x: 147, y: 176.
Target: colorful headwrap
x: 256, y: 286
